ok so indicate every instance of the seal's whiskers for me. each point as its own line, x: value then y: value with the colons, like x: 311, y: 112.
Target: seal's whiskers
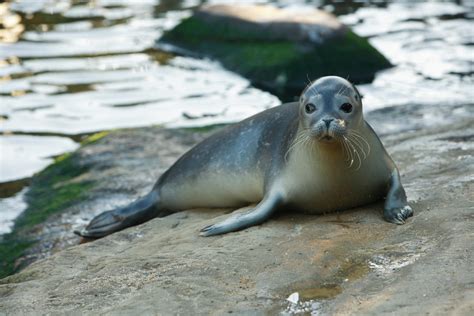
x: 356, y: 153
x: 300, y: 139
x: 357, y: 143
x: 351, y: 161
x: 361, y: 138
x: 346, y: 151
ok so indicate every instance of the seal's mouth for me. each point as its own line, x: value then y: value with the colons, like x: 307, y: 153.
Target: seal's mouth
x: 327, y: 138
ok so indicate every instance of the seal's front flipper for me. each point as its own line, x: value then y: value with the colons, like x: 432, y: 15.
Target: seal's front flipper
x: 133, y: 214
x: 260, y: 214
x: 396, y: 209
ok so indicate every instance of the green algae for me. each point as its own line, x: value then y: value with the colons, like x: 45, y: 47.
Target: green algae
x: 195, y: 29
x: 277, y: 65
x: 11, y: 248
x: 52, y: 190
x: 94, y: 138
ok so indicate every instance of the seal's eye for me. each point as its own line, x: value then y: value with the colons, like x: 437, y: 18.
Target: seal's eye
x: 346, y: 107
x: 310, y: 108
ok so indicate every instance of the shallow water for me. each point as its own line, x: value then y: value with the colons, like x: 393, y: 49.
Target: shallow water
x: 82, y: 67
x: 73, y: 67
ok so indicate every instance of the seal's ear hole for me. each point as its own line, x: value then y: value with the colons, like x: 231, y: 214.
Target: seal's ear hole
x: 346, y: 108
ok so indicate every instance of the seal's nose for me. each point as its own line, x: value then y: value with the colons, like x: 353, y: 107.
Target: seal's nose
x: 328, y: 121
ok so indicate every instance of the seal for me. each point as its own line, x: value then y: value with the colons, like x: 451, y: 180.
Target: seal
x: 316, y: 155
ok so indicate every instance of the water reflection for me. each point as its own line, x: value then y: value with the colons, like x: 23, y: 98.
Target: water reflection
x: 148, y: 95
x: 86, y: 66
x: 11, y: 25
x: 11, y: 208
x: 29, y: 152
x: 430, y: 44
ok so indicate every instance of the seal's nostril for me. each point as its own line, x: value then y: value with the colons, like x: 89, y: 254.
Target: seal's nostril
x: 328, y: 122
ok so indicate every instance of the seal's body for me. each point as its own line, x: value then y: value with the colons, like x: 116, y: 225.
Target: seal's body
x: 316, y: 155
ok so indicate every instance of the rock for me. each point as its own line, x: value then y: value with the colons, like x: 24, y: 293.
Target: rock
x: 53, y: 209
x: 350, y: 262
x: 276, y: 49
x: 51, y: 191
x: 269, y: 23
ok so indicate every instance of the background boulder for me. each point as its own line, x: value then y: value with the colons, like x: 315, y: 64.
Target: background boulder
x: 276, y: 49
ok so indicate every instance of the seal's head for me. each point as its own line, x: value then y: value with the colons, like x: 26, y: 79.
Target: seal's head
x: 329, y: 108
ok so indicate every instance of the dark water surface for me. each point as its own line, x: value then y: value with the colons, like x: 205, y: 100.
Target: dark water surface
x: 73, y: 67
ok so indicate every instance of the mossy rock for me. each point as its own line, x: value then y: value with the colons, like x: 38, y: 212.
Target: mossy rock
x: 51, y: 191
x: 272, y: 61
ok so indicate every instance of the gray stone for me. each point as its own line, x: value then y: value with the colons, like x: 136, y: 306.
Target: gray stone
x: 274, y: 23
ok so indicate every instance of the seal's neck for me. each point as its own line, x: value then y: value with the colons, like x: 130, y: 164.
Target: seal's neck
x: 332, y: 149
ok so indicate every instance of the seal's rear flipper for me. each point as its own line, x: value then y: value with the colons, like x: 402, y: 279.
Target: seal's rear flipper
x: 133, y: 214
x: 104, y: 224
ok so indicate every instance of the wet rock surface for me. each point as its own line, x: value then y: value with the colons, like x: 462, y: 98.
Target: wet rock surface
x: 267, y: 22
x: 349, y: 262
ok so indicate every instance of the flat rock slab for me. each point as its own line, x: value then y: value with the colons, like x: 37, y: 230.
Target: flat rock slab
x: 273, y: 23
x: 350, y: 262
x: 277, y: 49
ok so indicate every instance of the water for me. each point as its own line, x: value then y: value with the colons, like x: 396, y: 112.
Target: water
x: 431, y: 46
x: 70, y: 67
